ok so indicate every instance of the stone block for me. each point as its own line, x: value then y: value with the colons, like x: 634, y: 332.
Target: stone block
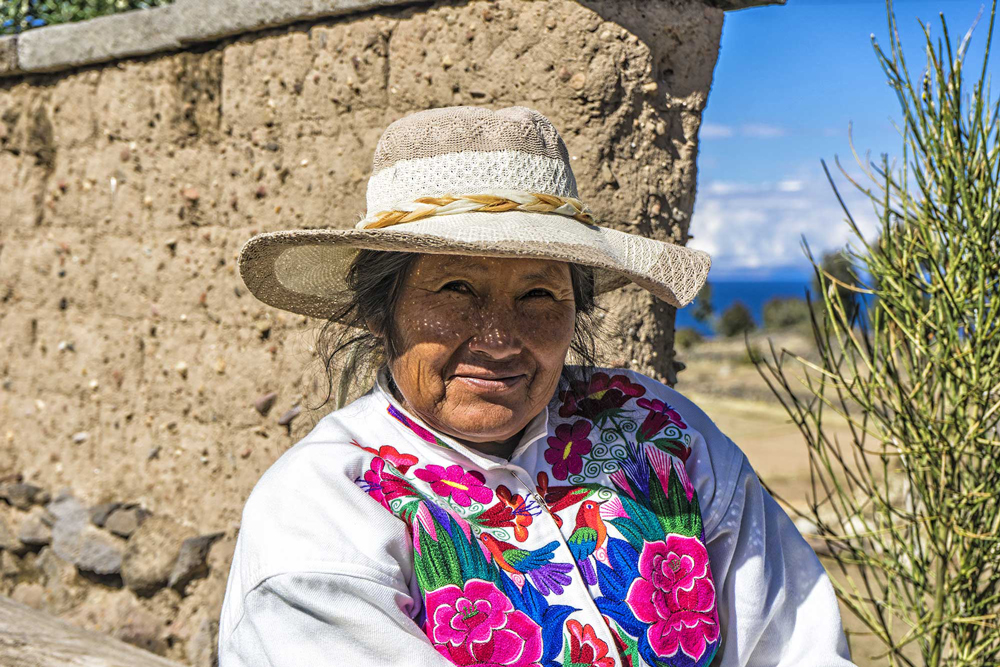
x: 98, y: 40
x: 8, y: 54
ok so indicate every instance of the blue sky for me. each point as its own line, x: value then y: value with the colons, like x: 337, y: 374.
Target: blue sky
x: 789, y: 81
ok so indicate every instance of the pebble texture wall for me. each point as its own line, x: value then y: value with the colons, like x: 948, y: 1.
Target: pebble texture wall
x: 134, y: 365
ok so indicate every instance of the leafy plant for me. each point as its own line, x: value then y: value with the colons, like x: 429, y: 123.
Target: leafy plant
x: 19, y: 15
x: 686, y: 337
x: 704, y: 311
x: 785, y: 312
x: 735, y: 320
x: 909, y: 503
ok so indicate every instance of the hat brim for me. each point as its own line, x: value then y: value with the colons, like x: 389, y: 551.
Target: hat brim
x: 304, y: 271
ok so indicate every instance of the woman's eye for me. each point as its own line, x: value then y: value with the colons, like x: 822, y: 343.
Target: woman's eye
x: 456, y: 286
x: 539, y: 292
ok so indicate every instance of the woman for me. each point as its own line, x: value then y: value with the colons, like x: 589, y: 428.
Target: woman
x: 486, y: 503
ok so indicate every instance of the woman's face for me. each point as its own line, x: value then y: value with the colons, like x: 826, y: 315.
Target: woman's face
x: 481, y: 342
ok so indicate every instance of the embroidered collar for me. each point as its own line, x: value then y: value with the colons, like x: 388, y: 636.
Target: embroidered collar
x: 535, y: 431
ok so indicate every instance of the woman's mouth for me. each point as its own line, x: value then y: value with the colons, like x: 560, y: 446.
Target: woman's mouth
x: 489, y: 384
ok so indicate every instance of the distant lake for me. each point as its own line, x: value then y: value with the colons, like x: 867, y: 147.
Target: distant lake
x: 753, y: 294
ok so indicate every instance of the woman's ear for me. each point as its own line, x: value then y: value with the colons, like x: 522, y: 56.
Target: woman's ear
x: 374, y: 327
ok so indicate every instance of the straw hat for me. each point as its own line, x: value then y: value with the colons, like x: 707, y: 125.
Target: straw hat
x: 467, y: 181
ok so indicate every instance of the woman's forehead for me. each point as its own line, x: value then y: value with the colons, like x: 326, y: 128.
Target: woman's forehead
x: 428, y: 264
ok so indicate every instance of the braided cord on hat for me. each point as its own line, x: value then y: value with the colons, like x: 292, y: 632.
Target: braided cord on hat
x: 500, y: 201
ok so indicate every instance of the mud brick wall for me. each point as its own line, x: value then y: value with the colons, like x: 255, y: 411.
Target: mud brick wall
x: 131, y: 355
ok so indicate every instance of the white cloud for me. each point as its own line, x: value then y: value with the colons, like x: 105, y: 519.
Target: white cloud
x: 761, y: 131
x: 756, y: 226
x: 713, y: 131
x: 747, y: 130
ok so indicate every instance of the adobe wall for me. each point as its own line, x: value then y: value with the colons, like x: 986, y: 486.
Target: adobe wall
x: 130, y: 352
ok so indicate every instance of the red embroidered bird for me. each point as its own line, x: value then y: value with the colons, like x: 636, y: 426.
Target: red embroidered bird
x: 547, y: 577
x: 587, y: 539
x: 559, y: 497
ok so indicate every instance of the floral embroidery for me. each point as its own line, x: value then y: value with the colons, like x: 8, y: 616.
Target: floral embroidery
x: 585, y: 648
x: 453, y: 481
x: 660, y: 415
x: 567, y: 448
x: 510, y: 511
x: 615, y: 484
x: 594, y: 398
x: 389, y: 454
x: 383, y: 485
x: 478, y: 625
x: 676, y: 596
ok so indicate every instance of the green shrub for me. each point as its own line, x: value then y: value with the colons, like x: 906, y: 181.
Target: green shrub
x: 703, y: 310
x: 908, y: 502
x: 735, y: 320
x: 686, y: 338
x: 785, y: 313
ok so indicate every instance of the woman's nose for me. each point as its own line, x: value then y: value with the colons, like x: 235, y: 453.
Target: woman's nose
x: 497, y: 333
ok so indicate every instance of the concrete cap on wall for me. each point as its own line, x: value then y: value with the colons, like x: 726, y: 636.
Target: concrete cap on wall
x: 174, y: 26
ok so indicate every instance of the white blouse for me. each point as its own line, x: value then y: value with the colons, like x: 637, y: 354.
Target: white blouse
x: 625, y: 530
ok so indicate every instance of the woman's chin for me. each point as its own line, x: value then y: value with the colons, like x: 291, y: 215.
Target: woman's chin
x: 486, y: 422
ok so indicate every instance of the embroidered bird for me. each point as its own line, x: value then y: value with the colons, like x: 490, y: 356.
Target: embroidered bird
x: 559, y: 497
x: 587, y: 539
x: 546, y: 576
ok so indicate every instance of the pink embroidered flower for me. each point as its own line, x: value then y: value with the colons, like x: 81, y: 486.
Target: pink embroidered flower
x: 479, y: 626
x: 600, y: 394
x: 586, y: 648
x: 401, y: 462
x: 676, y: 596
x: 462, y: 486
x: 384, y: 486
x: 660, y: 414
x: 567, y: 448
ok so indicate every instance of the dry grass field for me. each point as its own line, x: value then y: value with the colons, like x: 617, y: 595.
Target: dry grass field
x: 720, y: 378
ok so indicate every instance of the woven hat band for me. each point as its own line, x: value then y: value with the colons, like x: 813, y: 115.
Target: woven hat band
x: 494, y: 201
x: 468, y: 172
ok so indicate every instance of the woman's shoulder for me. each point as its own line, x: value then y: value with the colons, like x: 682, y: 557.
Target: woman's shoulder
x: 713, y: 461
x: 307, y: 511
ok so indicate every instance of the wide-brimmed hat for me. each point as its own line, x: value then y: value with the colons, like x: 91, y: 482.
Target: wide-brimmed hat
x: 467, y: 181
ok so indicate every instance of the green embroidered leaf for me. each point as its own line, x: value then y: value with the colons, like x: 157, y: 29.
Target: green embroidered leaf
x: 437, y: 563
x: 566, y: 660
x: 678, y: 514
x: 630, y: 531
x: 645, y: 520
x: 472, y: 563
x: 631, y: 645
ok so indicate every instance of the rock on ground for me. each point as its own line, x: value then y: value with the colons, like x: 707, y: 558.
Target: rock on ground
x: 22, y: 495
x: 151, y: 552
x: 75, y: 540
x: 126, y: 520
x: 36, y: 528
x: 100, y: 513
x: 191, y: 559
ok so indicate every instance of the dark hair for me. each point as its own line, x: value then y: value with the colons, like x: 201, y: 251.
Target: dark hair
x: 359, y: 336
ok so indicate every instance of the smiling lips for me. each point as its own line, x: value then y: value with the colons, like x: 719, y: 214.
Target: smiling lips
x: 489, y: 382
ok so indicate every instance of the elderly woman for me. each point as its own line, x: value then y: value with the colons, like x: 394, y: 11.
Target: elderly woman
x: 486, y: 502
